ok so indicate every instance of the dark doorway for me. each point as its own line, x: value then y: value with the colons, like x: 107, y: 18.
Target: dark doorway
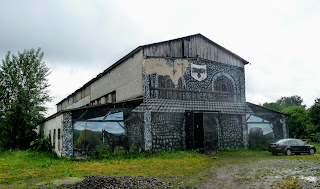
x: 189, y: 130
x: 198, y: 131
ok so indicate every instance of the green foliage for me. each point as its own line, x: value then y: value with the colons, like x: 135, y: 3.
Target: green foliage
x: 42, y: 144
x: 314, y: 113
x: 273, y: 106
x: 298, y: 121
x: 295, y: 100
x: 88, y: 141
x: 23, y: 94
x: 257, y: 146
x: 101, y: 154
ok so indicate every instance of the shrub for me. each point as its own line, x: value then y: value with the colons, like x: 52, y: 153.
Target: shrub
x: 257, y: 146
x: 41, y: 144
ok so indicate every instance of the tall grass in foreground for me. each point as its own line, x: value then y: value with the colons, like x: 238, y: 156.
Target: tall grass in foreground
x: 23, y: 169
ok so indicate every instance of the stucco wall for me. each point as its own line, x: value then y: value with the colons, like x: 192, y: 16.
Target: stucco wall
x: 80, y: 103
x: 50, y: 125
x: 125, y: 79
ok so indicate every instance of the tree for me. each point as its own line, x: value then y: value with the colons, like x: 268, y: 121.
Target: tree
x: 88, y: 141
x: 314, y: 113
x: 273, y: 106
x: 295, y: 100
x: 23, y: 94
x: 298, y: 121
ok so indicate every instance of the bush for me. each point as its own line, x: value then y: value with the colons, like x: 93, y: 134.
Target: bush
x: 42, y: 144
x: 257, y: 146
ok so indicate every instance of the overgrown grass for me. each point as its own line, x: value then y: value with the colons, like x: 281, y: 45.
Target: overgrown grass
x: 24, y: 169
x: 317, y: 145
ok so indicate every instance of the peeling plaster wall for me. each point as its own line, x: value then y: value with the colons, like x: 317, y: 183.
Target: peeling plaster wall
x: 175, y: 69
x: 55, y: 123
x: 181, y: 69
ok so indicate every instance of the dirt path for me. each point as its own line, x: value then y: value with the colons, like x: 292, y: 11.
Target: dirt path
x: 265, y: 173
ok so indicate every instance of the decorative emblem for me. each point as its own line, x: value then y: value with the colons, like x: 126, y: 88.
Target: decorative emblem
x: 198, y: 72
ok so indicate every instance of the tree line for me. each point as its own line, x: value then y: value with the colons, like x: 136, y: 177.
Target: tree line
x: 303, y: 122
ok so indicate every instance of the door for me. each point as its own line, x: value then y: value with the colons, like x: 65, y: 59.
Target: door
x: 189, y: 130
x: 294, y: 145
x: 210, y: 125
x: 198, y: 131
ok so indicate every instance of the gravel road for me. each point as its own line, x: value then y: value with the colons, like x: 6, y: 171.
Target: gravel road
x: 266, y: 173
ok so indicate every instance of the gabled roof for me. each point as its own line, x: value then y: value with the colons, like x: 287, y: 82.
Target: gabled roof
x: 109, y: 69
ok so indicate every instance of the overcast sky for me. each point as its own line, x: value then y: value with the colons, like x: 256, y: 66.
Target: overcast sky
x: 82, y: 38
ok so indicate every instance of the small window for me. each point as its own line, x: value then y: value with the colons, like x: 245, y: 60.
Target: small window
x: 113, y: 97
x: 58, y: 134
x: 54, y: 138
x: 293, y: 142
x: 59, y: 139
x: 50, y: 136
x: 300, y: 142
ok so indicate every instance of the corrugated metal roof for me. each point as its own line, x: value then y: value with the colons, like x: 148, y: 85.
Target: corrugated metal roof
x: 180, y: 106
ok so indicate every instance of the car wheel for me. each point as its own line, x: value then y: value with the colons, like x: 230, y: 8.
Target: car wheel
x: 311, y: 151
x: 288, y: 152
x: 274, y: 153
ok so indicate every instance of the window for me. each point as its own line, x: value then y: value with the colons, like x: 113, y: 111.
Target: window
x: 223, y: 84
x: 59, y: 139
x: 300, y: 142
x: 54, y: 138
x: 50, y: 136
x: 293, y: 142
x: 113, y: 97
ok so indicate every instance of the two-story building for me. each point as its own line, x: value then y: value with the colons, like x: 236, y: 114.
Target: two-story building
x: 187, y: 92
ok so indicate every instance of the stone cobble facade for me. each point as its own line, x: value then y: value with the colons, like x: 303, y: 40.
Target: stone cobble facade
x: 67, y: 135
x: 168, y: 131
x: 135, y: 131
x: 231, y: 135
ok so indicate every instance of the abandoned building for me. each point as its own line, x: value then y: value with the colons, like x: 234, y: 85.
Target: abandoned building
x: 182, y: 93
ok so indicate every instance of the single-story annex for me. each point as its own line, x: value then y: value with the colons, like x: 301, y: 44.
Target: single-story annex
x: 182, y: 93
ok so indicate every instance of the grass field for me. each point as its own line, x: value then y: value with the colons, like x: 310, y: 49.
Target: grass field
x: 24, y: 169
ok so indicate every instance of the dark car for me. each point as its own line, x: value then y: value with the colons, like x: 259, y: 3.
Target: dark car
x: 289, y: 146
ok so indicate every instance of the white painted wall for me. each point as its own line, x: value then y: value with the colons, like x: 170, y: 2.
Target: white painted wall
x: 50, y: 125
x: 125, y: 79
x: 80, y: 103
